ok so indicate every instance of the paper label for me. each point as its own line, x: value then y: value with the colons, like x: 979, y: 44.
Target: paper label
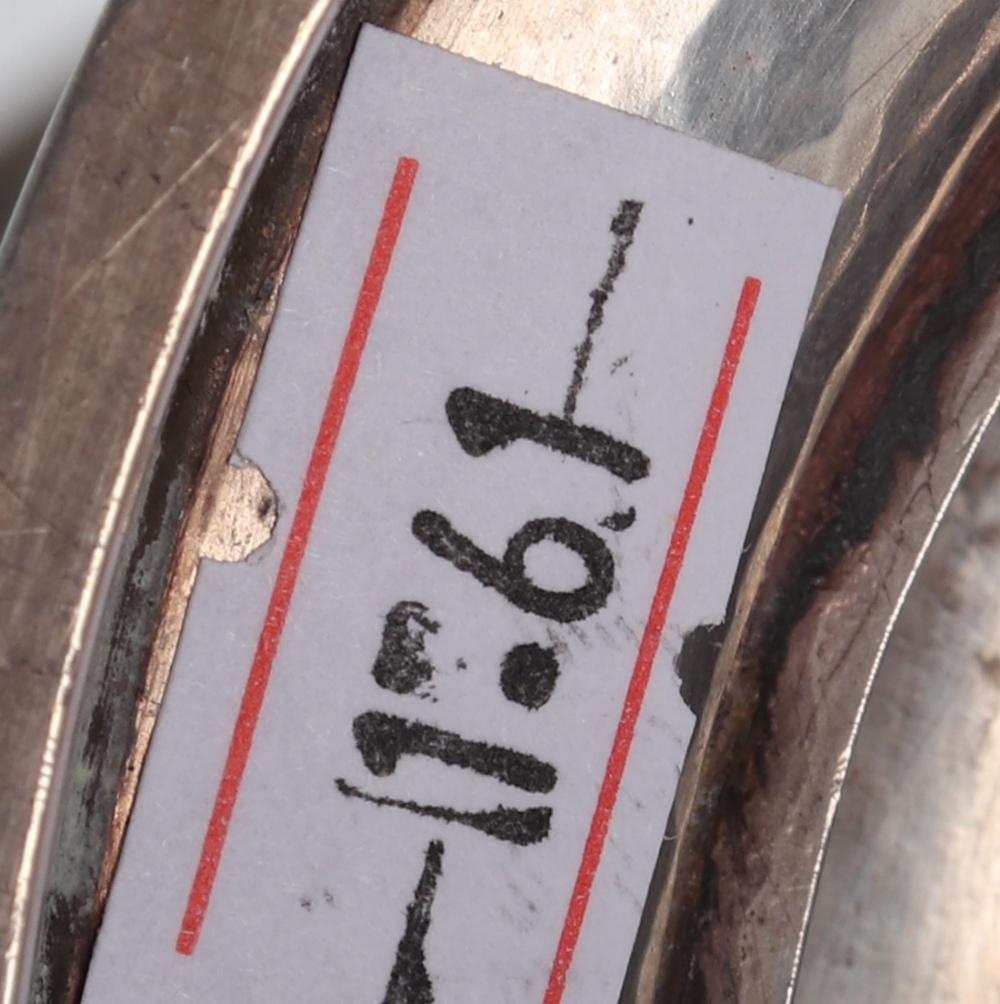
x: 515, y: 404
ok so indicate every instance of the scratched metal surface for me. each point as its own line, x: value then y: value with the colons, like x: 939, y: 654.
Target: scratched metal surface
x: 114, y: 254
x: 103, y: 276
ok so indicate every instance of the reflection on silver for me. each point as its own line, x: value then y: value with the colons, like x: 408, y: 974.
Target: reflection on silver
x: 908, y: 906
x: 893, y: 101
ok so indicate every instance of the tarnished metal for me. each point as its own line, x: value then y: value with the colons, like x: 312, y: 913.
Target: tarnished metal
x: 893, y: 101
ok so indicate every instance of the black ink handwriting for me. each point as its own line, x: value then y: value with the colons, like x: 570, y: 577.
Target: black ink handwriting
x: 483, y: 423
x: 409, y: 982
x: 516, y: 826
x: 623, y: 227
x: 528, y: 675
x: 508, y: 575
x: 383, y: 739
x: 401, y: 665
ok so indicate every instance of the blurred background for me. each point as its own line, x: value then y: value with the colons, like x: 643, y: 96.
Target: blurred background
x: 41, y: 42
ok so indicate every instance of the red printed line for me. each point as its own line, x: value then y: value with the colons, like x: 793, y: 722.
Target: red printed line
x: 295, y: 549
x: 650, y: 643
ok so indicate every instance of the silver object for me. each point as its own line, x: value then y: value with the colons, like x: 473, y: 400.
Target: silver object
x: 121, y: 388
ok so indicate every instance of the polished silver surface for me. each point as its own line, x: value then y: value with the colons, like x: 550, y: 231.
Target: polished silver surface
x: 893, y: 101
x: 908, y: 905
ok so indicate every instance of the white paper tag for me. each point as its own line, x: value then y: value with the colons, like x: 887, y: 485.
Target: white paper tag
x: 515, y: 404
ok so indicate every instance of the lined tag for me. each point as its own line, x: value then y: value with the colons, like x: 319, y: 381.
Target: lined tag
x: 515, y: 405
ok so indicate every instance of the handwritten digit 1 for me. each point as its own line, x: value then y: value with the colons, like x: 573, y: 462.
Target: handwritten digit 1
x: 384, y: 739
x: 483, y: 423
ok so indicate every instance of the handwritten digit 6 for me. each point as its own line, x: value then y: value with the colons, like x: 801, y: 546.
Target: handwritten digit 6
x: 507, y: 575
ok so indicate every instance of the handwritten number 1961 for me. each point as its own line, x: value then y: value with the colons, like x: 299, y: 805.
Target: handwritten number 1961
x: 482, y: 423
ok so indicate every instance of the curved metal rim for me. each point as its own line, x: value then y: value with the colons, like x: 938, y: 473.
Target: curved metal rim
x: 183, y: 202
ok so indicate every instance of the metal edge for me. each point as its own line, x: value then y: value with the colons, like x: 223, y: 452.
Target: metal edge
x: 134, y: 204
